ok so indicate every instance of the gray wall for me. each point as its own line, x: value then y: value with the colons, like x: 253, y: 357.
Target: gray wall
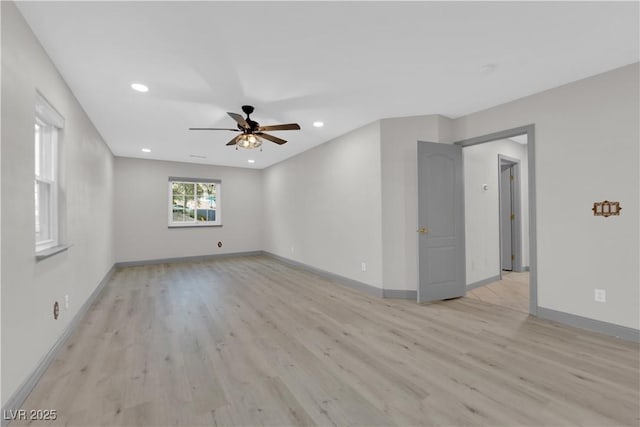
x: 29, y: 288
x: 322, y: 207
x: 482, y: 216
x: 141, y: 211
x: 586, y: 142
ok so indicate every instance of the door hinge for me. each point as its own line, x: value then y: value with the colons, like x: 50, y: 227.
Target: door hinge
x: 513, y: 257
x: 510, y: 177
x: 513, y: 216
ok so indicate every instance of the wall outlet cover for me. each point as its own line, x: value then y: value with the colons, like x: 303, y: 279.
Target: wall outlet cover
x: 600, y: 295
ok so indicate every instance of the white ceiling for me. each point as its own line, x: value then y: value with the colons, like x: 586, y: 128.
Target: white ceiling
x: 345, y: 63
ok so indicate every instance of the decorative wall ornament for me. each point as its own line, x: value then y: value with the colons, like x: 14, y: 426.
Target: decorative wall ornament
x: 606, y: 208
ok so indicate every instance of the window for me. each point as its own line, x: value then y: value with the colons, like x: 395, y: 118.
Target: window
x: 194, y: 202
x: 48, y: 122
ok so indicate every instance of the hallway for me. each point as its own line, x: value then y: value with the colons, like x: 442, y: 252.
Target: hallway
x: 511, y: 292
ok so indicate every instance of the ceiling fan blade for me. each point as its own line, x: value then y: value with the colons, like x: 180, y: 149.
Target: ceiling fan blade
x: 271, y: 138
x: 234, y: 130
x: 241, y: 121
x: 234, y: 141
x: 289, y: 126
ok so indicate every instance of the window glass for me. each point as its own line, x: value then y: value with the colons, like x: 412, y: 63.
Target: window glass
x: 45, y: 184
x: 194, y: 203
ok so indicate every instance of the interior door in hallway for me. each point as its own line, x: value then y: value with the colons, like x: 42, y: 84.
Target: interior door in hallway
x: 441, y: 256
x: 507, y: 216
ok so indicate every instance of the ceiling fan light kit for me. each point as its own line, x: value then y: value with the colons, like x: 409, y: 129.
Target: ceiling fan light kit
x: 248, y: 141
x: 252, y: 133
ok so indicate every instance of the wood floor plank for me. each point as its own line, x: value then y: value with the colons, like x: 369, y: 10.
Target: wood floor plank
x: 251, y: 341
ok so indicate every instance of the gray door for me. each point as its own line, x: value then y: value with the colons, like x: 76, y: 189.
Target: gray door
x: 506, y: 217
x: 441, y: 259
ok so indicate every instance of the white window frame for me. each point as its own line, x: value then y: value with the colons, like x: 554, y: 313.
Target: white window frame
x: 195, y: 222
x: 50, y: 123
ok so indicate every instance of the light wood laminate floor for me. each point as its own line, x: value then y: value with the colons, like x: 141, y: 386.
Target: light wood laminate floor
x: 511, y: 292
x: 251, y: 341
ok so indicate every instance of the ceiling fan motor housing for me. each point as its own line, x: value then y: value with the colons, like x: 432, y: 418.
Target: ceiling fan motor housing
x: 253, y: 125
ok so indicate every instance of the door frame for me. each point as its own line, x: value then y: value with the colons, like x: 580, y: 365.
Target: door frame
x: 529, y: 130
x: 516, y: 200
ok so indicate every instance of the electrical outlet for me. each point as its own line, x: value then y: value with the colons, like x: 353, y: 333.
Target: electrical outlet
x: 600, y: 295
x: 66, y: 302
x: 292, y: 249
x: 364, y: 266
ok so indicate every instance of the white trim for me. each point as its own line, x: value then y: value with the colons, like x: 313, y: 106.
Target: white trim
x: 195, y: 180
x: 47, y: 113
x: 49, y: 252
x: 195, y: 222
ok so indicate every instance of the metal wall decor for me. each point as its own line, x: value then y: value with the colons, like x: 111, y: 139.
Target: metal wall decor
x: 606, y: 208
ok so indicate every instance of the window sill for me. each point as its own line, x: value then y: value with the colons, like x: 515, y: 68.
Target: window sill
x: 195, y: 226
x: 49, y: 252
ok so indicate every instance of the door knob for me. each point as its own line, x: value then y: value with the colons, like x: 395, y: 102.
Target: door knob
x: 422, y: 230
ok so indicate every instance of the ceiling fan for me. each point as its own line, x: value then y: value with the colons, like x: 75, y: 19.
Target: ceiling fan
x: 251, y: 132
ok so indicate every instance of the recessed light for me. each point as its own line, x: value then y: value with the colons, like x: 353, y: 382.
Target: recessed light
x: 251, y: 161
x: 318, y: 124
x: 146, y: 150
x: 139, y: 87
x: 488, y: 68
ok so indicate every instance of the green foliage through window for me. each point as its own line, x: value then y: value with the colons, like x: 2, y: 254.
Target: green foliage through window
x: 194, y: 202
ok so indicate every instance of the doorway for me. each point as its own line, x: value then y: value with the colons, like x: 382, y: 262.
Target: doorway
x: 495, y: 251
x: 509, y: 209
x: 507, y: 216
x: 500, y: 230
